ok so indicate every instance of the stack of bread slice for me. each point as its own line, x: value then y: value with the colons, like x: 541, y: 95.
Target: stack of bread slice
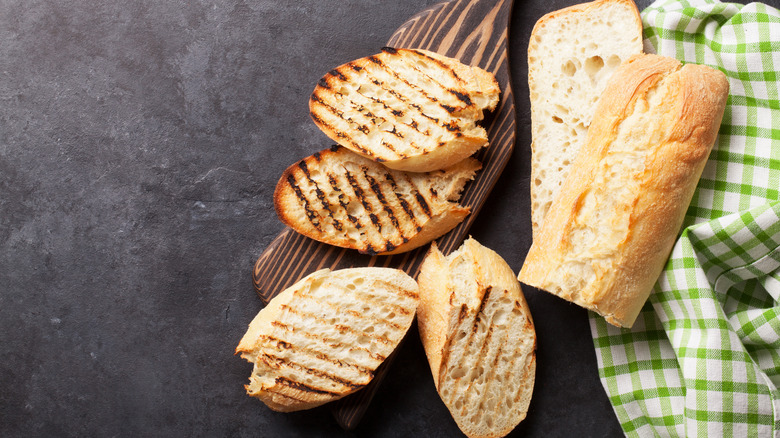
x: 407, y: 123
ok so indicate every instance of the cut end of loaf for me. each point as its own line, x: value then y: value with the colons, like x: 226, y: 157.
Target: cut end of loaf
x: 571, y: 55
x: 412, y: 110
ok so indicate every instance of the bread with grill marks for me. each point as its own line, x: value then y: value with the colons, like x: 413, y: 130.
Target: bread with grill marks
x: 479, y: 338
x: 410, y: 109
x: 324, y: 337
x: 344, y: 199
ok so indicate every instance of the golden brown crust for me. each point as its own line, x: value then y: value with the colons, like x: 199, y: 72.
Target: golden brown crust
x: 610, y: 230
x: 479, y: 337
x: 340, y: 198
x: 410, y: 109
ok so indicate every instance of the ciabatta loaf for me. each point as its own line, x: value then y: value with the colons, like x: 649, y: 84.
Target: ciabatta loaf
x: 343, y: 199
x: 412, y: 110
x: 571, y: 55
x: 323, y: 337
x: 479, y: 337
x: 610, y: 231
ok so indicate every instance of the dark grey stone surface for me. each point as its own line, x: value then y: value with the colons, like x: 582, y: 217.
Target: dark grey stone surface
x: 140, y: 142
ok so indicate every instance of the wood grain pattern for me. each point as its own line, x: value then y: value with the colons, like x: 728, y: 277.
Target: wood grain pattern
x: 475, y: 32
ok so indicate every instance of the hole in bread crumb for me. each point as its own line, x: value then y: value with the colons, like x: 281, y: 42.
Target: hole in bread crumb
x: 457, y: 373
x: 557, y: 119
x: 613, y: 61
x: 569, y: 68
x: 593, y: 65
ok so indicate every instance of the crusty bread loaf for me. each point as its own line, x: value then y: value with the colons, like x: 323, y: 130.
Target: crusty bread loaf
x: 571, y: 55
x: 479, y: 337
x: 412, y: 110
x: 610, y: 231
x: 323, y: 337
x: 343, y: 199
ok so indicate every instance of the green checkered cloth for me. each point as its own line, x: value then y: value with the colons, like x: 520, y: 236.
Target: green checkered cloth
x: 703, y: 358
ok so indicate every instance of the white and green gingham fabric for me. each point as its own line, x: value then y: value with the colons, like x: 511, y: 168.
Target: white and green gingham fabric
x: 703, y: 358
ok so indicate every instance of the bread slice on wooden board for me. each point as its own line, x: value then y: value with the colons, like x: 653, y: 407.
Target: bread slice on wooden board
x: 410, y: 109
x: 610, y: 231
x: 571, y: 55
x: 479, y: 337
x: 323, y: 337
x: 344, y: 199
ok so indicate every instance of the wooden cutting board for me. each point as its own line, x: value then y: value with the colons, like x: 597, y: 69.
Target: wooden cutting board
x: 475, y: 32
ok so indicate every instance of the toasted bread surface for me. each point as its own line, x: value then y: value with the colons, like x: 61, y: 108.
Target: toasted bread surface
x: 341, y: 198
x: 479, y: 338
x: 571, y: 55
x: 410, y: 109
x: 323, y: 337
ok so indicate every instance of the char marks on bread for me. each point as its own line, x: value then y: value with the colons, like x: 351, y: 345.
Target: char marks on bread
x: 324, y: 337
x: 341, y: 198
x: 410, y: 109
x: 479, y: 338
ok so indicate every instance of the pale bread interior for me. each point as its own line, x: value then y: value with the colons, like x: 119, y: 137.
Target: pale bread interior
x: 571, y: 55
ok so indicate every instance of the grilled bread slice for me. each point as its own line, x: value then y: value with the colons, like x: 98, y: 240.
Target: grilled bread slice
x: 343, y: 199
x: 412, y: 110
x: 479, y: 337
x: 571, y: 55
x: 323, y: 337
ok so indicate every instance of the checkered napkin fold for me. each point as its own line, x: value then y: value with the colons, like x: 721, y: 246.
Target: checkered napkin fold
x: 703, y: 358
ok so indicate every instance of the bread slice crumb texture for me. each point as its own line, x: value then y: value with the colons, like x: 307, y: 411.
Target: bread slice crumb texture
x: 343, y: 199
x: 412, y: 110
x: 571, y: 55
x: 323, y: 338
x: 479, y: 337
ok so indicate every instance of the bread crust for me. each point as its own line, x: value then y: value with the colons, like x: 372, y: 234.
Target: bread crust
x: 470, y: 301
x: 410, y: 109
x: 564, y: 136
x: 609, y: 232
x: 394, y: 212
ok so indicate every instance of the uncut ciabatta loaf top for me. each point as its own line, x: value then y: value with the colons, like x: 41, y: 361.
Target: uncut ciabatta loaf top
x: 324, y: 337
x: 410, y: 109
x: 479, y: 337
x: 343, y: 199
x: 571, y: 55
x: 609, y: 233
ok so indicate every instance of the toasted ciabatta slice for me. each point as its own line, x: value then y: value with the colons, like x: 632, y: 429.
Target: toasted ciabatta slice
x: 343, y: 199
x: 609, y: 233
x: 571, y: 55
x: 479, y: 337
x: 323, y: 337
x: 412, y: 110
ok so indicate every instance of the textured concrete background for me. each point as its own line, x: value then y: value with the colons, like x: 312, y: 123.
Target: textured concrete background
x: 140, y: 142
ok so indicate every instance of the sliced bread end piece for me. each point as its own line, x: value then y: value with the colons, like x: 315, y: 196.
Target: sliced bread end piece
x: 571, y: 55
